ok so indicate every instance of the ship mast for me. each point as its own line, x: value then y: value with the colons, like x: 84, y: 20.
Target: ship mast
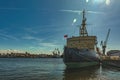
x: 83, y: 30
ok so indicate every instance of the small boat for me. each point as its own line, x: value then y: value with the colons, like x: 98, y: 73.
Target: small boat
x: 81, y: 51
x: 56, y: 53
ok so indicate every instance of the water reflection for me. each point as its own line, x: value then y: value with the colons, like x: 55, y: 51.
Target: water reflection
x: 88, y: 73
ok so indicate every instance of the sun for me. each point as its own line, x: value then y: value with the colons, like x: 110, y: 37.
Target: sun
x: 107, y: 2
x: 87, y: 1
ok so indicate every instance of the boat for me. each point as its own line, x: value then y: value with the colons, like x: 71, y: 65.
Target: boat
x: 81, y: 51
x: 56, y: 53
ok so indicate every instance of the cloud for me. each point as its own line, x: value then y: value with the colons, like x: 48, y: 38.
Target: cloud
x: 12, y: 8
x: 40, y: 51
x: 48, y: 44
x: 95, y: 12
x: 72, y: 11
x: 80, y: 11
x: 31, y: 38
x: 31, y: 30
x: 5, y: 36
x: 43, y: 47
x: 10, y: 50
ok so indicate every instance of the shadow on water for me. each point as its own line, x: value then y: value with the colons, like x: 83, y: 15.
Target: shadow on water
x: 88, y: 73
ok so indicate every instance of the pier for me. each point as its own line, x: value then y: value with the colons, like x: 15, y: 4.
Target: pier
x: 113, y: 61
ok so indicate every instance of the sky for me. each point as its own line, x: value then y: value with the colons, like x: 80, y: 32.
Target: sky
x: 39, y: 26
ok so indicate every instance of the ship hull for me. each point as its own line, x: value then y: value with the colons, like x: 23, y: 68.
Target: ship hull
x: 77, y: 58
x: 112, y: 63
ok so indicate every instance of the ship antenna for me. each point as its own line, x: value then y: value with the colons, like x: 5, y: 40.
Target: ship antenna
x: 83, y: 30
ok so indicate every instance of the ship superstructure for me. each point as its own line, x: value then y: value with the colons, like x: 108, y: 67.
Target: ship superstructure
x: 84, y: 41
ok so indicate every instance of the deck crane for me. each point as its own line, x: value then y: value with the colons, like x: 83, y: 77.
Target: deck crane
x: 104, y: 44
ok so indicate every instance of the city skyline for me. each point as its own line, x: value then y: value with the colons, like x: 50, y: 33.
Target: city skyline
x: 39, y: 26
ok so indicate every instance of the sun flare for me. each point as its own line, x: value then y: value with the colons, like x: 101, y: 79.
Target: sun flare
x: 87, y: 1
x: 107, y: 2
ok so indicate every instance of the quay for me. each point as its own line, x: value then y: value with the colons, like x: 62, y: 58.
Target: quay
x: 113, y: 61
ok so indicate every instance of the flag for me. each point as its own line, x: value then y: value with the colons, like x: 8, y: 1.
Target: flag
x: 65, y: 36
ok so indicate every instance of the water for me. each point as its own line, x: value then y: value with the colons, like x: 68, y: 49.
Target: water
x: 51, y: 69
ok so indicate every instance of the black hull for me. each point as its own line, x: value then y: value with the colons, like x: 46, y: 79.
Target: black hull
x: 73, y: 57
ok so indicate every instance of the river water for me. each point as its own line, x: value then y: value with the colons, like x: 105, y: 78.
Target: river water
x: 51, y: 69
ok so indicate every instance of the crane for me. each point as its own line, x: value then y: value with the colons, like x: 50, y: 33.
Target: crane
x: 104, y: 44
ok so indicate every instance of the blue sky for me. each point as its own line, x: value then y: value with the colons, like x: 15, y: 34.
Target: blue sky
x: 39, y: 26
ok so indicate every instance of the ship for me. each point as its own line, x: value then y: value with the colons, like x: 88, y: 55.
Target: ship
x: 81, y: 51
x: 56, y: 53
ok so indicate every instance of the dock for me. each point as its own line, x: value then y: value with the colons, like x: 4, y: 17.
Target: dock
x: 113, y: 61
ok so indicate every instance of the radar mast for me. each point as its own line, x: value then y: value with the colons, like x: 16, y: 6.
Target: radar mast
x: 83, y: 30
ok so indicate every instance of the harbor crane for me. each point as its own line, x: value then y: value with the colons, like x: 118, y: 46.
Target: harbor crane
x: 104, y: 44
